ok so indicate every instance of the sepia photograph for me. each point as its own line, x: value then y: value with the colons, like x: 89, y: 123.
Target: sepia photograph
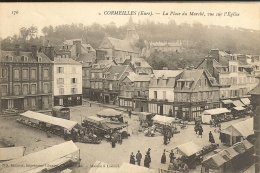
x: 130, y: 87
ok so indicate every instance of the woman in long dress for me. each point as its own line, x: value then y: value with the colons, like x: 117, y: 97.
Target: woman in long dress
x: 163, y: 159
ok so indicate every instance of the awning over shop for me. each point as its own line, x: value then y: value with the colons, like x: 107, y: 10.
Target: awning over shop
x: 188, y: 149
x: 227, y: 101
x: 109, y: 113
x: 39, y: 159
x: 232, y: 153
x: 68, y: 124
x: 216, y: 111
x: 113, y: 125
x: 239, y: 108
x: 246, y: 101
x: 11, y: 153
x: 238, y: 103
x: 163, y: 119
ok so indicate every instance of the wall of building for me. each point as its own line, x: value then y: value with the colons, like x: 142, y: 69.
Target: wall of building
x: 160, y: 96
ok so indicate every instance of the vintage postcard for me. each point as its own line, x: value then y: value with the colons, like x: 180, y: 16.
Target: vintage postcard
x: 129, y: 87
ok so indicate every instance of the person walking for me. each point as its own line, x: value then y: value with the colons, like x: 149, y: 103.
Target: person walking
x: 163, y: 158
x: 132, y: 159
x: 212, y: 140
x: 138, y: 157
x: 129, y: 113
x: 200, y: 131
x: 210, y: 136
x: 146, y: 162
x: 172, y: 157
x: 165, y: 139
x: 148, y: 154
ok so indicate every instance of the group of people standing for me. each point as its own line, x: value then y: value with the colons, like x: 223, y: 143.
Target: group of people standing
x: 167, y: 134
x: 171, y: 156
x: 138, y: 158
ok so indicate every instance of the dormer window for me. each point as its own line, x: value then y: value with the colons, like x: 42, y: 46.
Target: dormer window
x: 205, y: 82
x: 39, y: 59
x: 178, y: 84
x: 187, y: 84
x: 10, y: 58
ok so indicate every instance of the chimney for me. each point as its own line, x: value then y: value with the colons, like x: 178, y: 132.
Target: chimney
x: 49, y: 52
x: 78, y: 46
x: 17, y: 48
x: 209, y: 64
x: 215, y: 54
x: 34, y: 51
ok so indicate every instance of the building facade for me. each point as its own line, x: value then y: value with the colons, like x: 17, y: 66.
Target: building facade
x: 134, y: 92
x: 161, y: 90
x: 195, y: 91
x: 26, y: 80
x: 236, y: 77
x: 67, y: 82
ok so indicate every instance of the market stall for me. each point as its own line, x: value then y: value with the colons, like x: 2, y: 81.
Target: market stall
x: 207, y: 116
x: 66, y: 153
x: 109, y: 113
x: 245, y: 101
x: 188, y: 152
x: 237, y: 132
x: 214, y: 163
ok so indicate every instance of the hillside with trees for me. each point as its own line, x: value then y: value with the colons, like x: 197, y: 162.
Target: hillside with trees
x: 236, y: 40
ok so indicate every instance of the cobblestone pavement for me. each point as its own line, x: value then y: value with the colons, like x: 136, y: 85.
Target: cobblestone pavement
x: 36, y: 140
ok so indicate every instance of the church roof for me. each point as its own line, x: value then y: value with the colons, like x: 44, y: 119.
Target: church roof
x: 122, y: 45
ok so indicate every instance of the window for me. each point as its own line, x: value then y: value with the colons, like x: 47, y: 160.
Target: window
x: 187, y: 84
x: 74, y: 80
x: 25, y: 89
x: 138, y: 84
x: 25, y: 74
x: 33, y: 101
x: 16, y: 90
x: 60, y: 81
x: 69, y: 98
x: 96, y: 85
x: 205, y: 82
x: 45, y: 73
x: 73, y: 90
x: 39, y: 59
x: 4, y: 73
x: 100, y: 85
x: 60, y: 70
x: 33, y: 89
x: 46, y: 88
x: 4, y: 90
x: 61, y: 91
x: 178, y: 84
x: 16, y: 74
x: 100, y: 75
x: 164, y: 95
x: 155, y: 94
x: 78, y: 98
x: 33, y: 73
x: 138, y: 93
x: 61, y: 101
x: 110, y: 86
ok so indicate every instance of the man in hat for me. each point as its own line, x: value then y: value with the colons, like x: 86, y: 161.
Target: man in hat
x: 172, y: 157
x: 138, y: 157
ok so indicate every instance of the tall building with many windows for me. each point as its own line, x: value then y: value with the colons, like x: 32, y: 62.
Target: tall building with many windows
x: 67, y: 82
x: 26, y: 80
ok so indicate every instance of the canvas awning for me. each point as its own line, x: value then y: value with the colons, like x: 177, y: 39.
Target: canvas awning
x: 163, y: 119
x: 228, y: 101
x: 216, y: 111
x: 129, y: 168
x: 239, y: 108
x: 238, y: 103
x: 232, y: 153
x: 188, y: 149
x: 11, y: 153
x: 246, y: 101
x: 109, y: 113
x: 40, y: 159
x: 67, y: 124
x: 243, y: 128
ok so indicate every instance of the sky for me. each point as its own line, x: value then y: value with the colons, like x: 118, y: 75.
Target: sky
x: 13, y: 16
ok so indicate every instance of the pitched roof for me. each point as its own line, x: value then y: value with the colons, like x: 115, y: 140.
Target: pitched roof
x: 122, y: 45
x: 117, y: 70
x: 31, y: 59
x: 65, y: 61
x: 166, y: 73
x: 138, y: 78
x: 88, y: 47
x: 255, y: 91
x: 87, y: 59
x: 106, y: 62
x: 142, y: 62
